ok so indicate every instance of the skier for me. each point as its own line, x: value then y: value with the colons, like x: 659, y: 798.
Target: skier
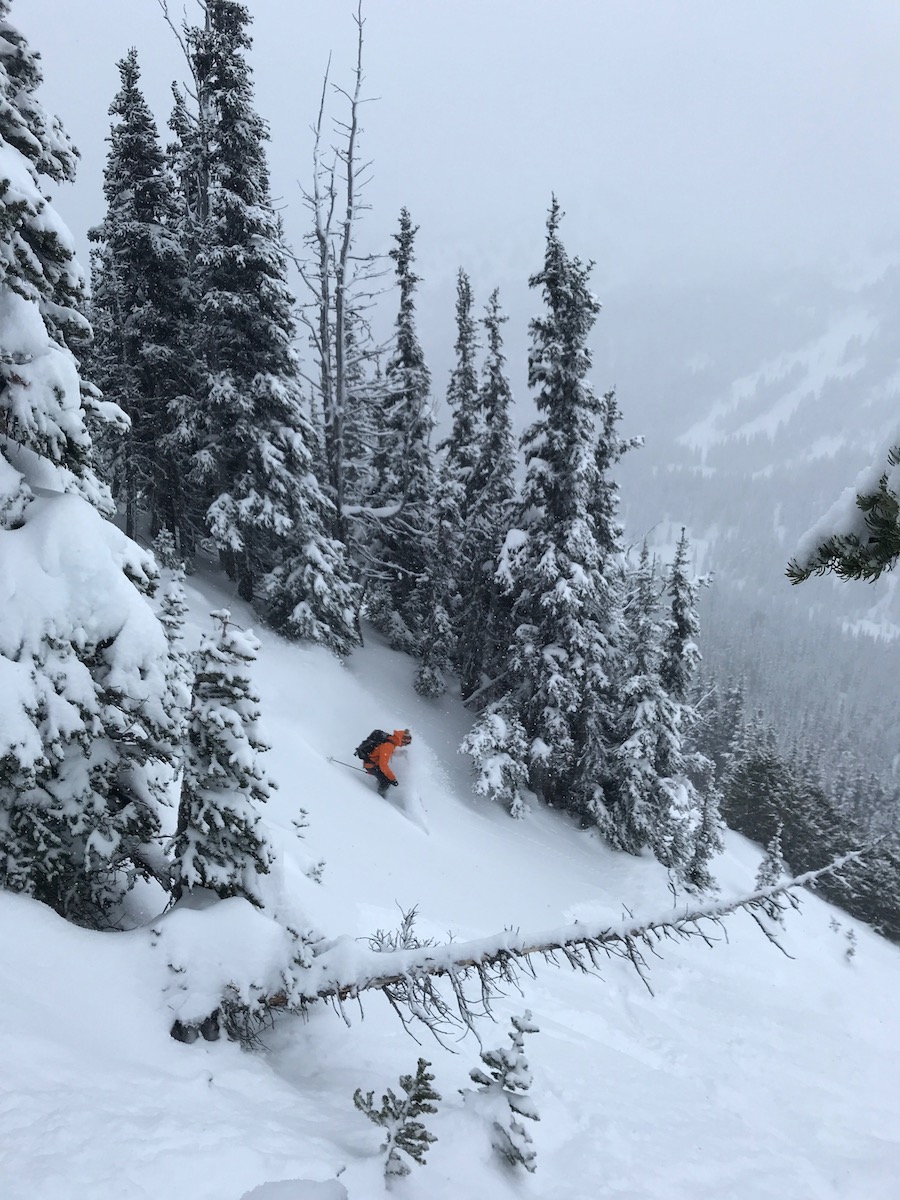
x: 376, y: 753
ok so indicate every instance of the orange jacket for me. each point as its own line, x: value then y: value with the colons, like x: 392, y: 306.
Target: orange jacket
x: 381, y: 755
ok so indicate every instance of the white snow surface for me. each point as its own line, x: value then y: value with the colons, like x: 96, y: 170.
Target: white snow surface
x: 748, y: 1075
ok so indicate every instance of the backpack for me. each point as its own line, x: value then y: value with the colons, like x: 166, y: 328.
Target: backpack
x: 375, y: 738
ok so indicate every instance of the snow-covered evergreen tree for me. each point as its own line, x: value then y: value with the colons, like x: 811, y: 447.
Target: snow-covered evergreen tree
x: 482, y: 622
x: 680, y: 758
x: 267, y: 513
x: 172, y: 611
x: 681, y: 653
x: 219, y: 843
x: 772, y: 870
x: 402, y: 464
x: 707, y: 840
x: 762, y: 791
x: 498, y: 746
x: 406, y: 1138
x: 434, y: 604
x: 43, y: 299
x: 558, y: 576
x: 461, y: 448
x: 141, y: 312
x: 596, y: 785
x: 251, y: 399
x: 654, y: 806
x: 502, y: 1095
x: 438, y: 596
x: 722, y: 721
x: 84, y: 736
x: 756, y: 781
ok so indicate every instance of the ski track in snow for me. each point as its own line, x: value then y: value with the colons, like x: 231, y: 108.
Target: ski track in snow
x: 749, y: 1075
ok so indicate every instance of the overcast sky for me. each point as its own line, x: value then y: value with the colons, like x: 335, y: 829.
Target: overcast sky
x: 680, y: 135
x: 686, y: 140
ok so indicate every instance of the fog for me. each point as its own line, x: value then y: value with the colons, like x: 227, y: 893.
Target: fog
x: 685, y: 138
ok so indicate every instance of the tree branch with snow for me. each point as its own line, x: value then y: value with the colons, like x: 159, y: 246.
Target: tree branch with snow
x: 859, y: 536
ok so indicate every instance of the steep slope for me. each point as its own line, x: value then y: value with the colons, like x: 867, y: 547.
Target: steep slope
x: 748, y: 1074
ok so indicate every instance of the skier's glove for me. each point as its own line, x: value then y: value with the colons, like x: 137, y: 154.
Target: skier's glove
x: 395, y: 783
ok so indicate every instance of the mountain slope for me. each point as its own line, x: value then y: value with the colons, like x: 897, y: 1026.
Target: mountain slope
x: 749, y: 1074
x: 763, y: 399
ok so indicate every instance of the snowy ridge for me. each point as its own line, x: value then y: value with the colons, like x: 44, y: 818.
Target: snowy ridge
x: 748, y: 1074
x: 825, y: 358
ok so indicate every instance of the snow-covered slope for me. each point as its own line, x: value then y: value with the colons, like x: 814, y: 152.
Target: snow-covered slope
x: 748, y: 1074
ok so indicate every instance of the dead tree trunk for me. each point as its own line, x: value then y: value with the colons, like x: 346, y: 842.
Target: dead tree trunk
x: 411, y: 978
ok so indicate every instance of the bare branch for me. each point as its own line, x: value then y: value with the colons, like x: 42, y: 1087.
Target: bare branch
x: 180, y: 36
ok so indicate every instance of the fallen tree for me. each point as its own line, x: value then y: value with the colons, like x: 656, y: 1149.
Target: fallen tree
x: 447, y: 987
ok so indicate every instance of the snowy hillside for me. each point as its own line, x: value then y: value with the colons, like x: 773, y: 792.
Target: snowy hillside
x: 761, y: 402
x: 749, y: 1074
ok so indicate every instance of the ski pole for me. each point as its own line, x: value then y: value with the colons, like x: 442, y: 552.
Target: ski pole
x: 343, y: 764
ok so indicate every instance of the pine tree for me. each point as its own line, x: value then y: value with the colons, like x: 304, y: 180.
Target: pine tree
x: 267, y: 513
x: 680, y: 757
x: 553, y: 569
x: 86, y: 739
x: 433, y: 608
x: 772, y: 871
x: 721, y: 725
x: 811, y: 825
x: 502, y: 1095
x: 402, y: 464
x: 180, y: 675
x: 597, y: 785
x: 405, y: 1137
x: 141, y: 312
x: 44, y: 296
x: 654, y: 808
x: 681, y: 654
x: 708, y: 842
x: 463, y: 401
x: 498, y: 747
x: 482, y: 622
x: 311, y: 595
x: 219, y: 843
x: 756, y: 782
x: 438, y: 595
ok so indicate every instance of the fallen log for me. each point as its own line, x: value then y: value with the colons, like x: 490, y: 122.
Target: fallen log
x: 342, y: 971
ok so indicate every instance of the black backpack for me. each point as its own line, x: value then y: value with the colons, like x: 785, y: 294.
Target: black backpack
x: 375, y: 738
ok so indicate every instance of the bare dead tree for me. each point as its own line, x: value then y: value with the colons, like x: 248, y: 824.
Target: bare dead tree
x: 341, y: 284
x: 447, y: 988
x: 321, y: 201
